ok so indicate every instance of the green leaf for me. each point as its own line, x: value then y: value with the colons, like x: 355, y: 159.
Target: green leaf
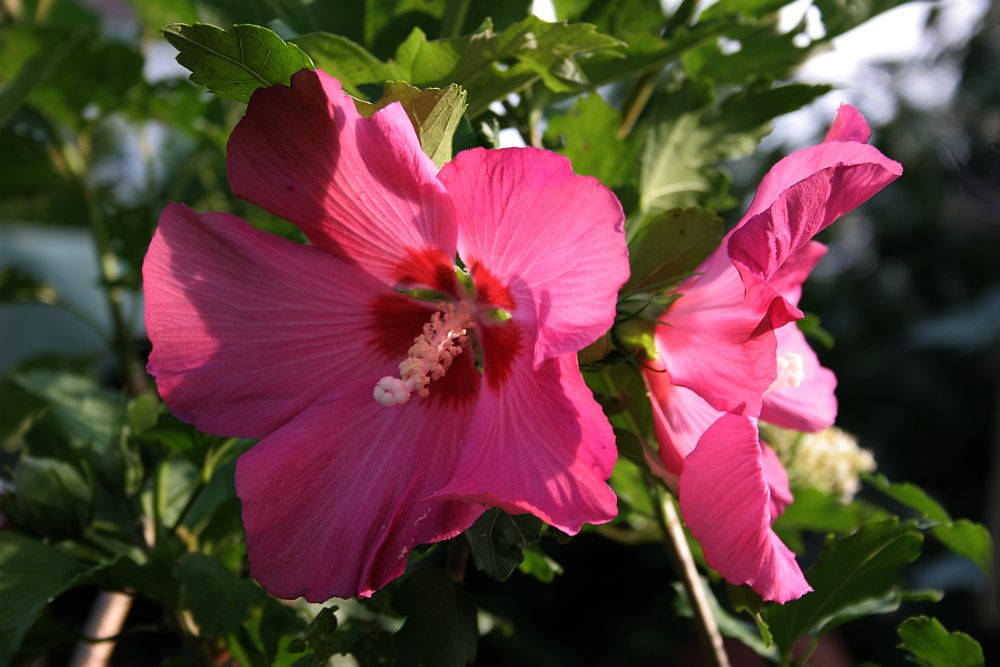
x: 440, y: 628
x: 31, y: 574
x: 52, y: 497
x: 67, y: 91
x: 692, y: 133
x: 823, y: 512
x: 497, y: 541
x: 968, y: 539
x: 142, y: 413
x: 965, y: 538
x: 840, y: 16
x: 933, y: 646
x: 587, y: 133
x: 218, y: 600
x: 233, y: 63
x: 850, y: 570
x: 538, y: 565
x: 745, y: 599
x: 764, y: 52
x: 31, y: 73
x: 348, y: 61
x: 911, y: 496
x: 528, y: 50
x: 176, y: 482
x: 83, y: 421
x: 729, y: 625
x: 434, y: 112
x: 17, y: 285
x: 669, y: 246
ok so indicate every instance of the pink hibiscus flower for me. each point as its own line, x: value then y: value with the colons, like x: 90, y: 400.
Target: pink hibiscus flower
x: 730, y: 352
x: 387, y: 421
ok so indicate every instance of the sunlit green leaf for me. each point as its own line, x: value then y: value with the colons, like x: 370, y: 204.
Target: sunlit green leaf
x: 965, y: 538
x: 538, y: 565
x: 233, y: 63
x: 587, y: 134
x: 529, y: 49
x: 434, y: 112
x: 692, y: 133
x: 968, y: 539
x: 933, y: 646
x: 346, y: 60
x: 850, y: 570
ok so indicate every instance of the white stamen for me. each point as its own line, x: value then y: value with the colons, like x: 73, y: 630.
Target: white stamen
x: 791, y: 371
x: 429, y: 358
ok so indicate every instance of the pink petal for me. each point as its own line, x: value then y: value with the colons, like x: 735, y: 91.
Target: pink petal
x: 553, y: 238
x: 726, y: 503
x: 777, y: 482
x: 247, y: 328
x: 842, y: 156
x: 680, y: 417
x: 812, y: 406
x: 334, y: 501
x: 788, y: 279
x: 360, y: 188
x: 849, y: 125
x: 714, y: 342
x: 539, y: 444
x: 762, y: 244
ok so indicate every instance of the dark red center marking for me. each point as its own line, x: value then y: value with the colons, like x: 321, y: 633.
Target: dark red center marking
x: 428, y: 267
x: 489, y: 290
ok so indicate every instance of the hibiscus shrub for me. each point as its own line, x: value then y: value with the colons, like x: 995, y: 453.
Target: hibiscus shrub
x: 398, y: 358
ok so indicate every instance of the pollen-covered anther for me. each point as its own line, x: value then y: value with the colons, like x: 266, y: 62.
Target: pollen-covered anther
x: 430, y: 356
x: 791, y: 371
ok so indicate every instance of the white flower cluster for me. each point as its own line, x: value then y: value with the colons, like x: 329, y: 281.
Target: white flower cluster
x: 828, y: 461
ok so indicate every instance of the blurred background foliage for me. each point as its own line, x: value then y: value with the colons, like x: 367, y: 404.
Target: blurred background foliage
x: 104, y: 490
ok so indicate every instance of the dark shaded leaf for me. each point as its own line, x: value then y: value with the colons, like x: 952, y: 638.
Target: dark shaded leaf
x: 497, y: 541
x: 53, y: 498
x: 669, y: 246
x: 218, y: 600
x: 440, y: 628
x: 31, y: 574
x: 17, y: 285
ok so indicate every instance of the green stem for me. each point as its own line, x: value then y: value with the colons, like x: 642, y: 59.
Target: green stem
x: 454, y: 18
x: 680, y: 18
x: 74, y: 166
x: 678, y: 550
x: 680, y: 553
x: 644, y: 88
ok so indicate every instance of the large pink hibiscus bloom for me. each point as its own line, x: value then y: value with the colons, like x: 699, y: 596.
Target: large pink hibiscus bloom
x: 730, y: 352
x: 387, y: 421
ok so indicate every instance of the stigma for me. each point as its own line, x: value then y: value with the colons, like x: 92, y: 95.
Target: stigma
x: 443, y: 338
